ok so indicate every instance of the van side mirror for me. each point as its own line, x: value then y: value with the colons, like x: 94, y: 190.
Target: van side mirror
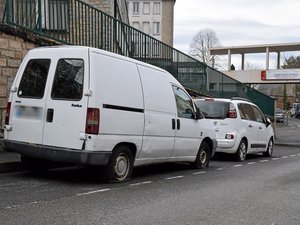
x: 198, y: 115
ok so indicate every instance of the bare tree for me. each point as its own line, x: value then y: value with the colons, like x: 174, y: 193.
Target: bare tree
x: 201, y: 43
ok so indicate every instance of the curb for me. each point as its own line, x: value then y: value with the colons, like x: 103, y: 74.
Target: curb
x: 287, y: 144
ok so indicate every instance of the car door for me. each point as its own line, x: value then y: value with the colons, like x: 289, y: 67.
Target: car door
x: 188, y: 132
x: 249, y: 126
x: 66, y: 105
x: 263, y: 131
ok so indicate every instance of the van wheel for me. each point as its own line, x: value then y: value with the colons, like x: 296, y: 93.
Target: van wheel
x: 242, y: 151
x: 120, y: 166
x: 203, y: 157
x: 269, y: 151
x: 35, y: 165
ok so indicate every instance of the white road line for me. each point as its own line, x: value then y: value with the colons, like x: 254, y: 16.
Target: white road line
x: 172, y: 178
x: 275, y: 159
x: 201, y: 172
x: 251, y: 163
x: 218, y: 169
x: 265, y: 160
x: 141, y: 183
x: 284, y: 157
x: 298, y: 154
x: 292, y: 155
x: 93, y: 192
x: 238, y: 165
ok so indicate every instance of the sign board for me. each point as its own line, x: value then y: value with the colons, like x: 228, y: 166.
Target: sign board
x: 283, y: 74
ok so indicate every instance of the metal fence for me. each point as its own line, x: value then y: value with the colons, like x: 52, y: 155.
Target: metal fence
x: 75, y: 22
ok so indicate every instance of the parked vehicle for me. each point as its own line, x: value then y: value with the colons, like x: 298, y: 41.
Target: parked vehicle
x: 90, y: 107
x: 295, y: 110
x: 241, y: 128
x: 279, y: 115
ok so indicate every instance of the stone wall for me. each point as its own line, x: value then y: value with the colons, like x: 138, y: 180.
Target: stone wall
x: 12, y: 51
x: 167, y: 22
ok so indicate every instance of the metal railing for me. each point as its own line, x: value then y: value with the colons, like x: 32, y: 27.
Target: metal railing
x: 75, y: 22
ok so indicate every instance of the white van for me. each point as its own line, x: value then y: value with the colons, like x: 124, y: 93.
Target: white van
x: 91, y: 107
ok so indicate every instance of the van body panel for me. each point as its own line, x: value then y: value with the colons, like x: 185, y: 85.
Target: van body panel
x: 159, y: 136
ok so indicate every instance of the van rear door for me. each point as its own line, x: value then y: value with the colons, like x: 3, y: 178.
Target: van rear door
x: 28, y: 100
x: 66, y: 105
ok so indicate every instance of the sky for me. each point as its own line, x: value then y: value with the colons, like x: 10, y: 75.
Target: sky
x: 238, y: 22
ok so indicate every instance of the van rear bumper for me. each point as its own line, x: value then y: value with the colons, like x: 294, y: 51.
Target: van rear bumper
x: 56, y: 154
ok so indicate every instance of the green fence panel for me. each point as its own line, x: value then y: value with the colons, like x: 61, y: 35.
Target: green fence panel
x: 74, y: 22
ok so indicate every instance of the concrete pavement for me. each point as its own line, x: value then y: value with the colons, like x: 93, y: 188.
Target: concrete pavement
x: 287, y: 134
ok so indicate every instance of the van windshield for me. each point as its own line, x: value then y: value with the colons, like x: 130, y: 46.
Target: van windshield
x: 213, y: 109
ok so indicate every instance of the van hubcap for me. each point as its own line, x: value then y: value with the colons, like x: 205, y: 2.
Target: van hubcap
x: 122, y: 165
x: 203, y: 157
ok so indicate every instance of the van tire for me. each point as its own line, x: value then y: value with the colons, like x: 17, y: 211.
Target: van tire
x: 203, y: 157
x: 120, y: 165
x: 269, y: 151
x: 241, y: 152
x: 34, y: 164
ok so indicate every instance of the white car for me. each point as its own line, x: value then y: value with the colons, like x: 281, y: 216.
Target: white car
x: 240, y: 126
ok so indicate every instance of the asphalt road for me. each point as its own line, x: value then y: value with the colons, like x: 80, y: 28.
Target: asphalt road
x: 258, y: 191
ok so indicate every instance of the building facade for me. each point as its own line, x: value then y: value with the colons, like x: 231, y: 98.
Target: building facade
x: 153, y: 17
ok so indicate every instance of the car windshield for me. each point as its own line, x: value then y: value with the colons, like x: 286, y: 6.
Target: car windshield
x: 213, y: 109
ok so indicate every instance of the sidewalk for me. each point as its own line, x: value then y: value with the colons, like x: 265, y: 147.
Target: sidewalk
x: 285, y: 136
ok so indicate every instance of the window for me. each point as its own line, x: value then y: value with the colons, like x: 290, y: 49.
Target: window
x: 68, y: 80
x: 213, y: 109
x: 156, y: 28
x: 146, y: 27
x: 156, y: 8
x: 34, y: 79
x: 136, y: 8
x: 246, y: 111
x: 136, y: 25
x: 184, y: 103
x: 259, y: 117
x: 146, y: 8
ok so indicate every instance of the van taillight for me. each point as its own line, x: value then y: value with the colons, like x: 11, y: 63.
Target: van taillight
x: 92, y: 121
x: 7, y: 113
x: 232, y: 111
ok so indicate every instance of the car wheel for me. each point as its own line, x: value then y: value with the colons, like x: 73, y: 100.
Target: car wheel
x: 269, y: 151
x: 203, y: 157
x: 120, y: 166
x: 241, y: 151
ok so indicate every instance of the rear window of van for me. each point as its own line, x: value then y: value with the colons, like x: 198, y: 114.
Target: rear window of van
x: 34, y: 79
x: 68, y: 80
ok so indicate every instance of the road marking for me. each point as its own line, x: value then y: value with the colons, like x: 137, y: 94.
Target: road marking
x: 298, y: 154
x: 275, y: 159
x: 201, y: 172
x: 218, y: 169
x: 141, y: 183
x: 93, y: 192
x: 284, y: 157
x: 292, y: 155
x: 238, y: 165
x: 265, y: 160
x: 172, y: 178
x: 251, y: 163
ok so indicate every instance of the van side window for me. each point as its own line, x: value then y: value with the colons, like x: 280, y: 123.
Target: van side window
x: 34, y: 79
x: 68, y: 80
x: 184, y: 103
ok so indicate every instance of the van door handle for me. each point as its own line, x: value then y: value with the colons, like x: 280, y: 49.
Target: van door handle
x: 50, y: 113
x: 178, y: 124
x: 250, y: 125
x: 173, y: 124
